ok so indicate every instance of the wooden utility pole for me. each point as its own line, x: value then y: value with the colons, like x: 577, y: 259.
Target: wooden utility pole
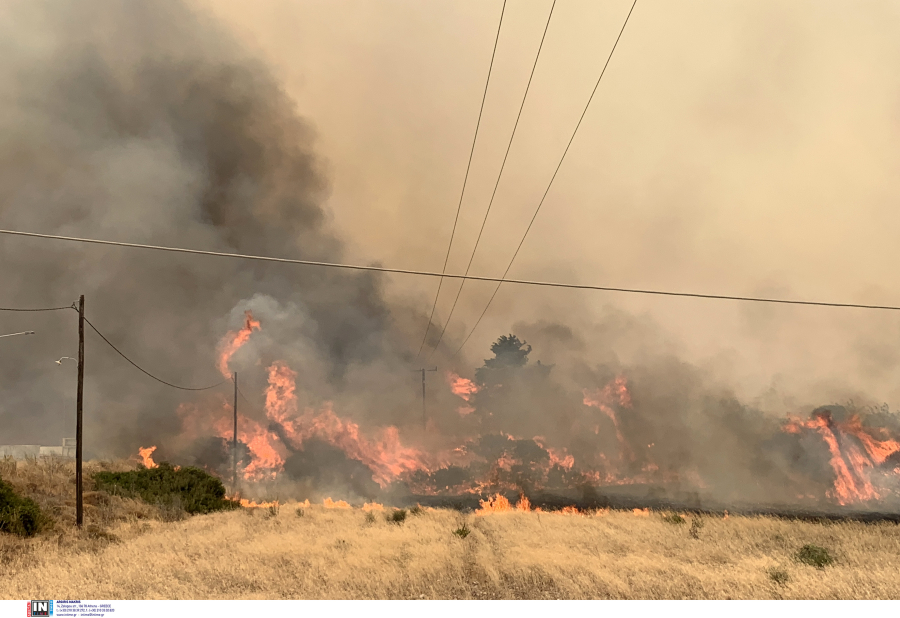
x: 79, y: 408
x: 424, y: 415
x: 234, y: 440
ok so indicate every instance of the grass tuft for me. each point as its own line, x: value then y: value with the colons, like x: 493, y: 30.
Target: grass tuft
x: 397, y: 517
x: 463, y: 531
x: 779, y: 576
x: 814, y: 556
x: 674, y: 518
x: 696, y: 526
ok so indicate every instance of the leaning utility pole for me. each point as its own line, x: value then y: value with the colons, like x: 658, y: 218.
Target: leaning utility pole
x: 424, y: 415
x: 79, y: 408
x: 234, y: 440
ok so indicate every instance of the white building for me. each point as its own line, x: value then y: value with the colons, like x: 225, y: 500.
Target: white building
x: 24, y: 451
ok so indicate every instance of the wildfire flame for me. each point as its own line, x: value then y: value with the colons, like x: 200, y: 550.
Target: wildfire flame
x: 851, y: 464
x: 146, y: 456
x: 233, y: 341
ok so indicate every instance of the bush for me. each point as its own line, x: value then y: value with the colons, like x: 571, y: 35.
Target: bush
x: 300, y: 512
x: 19, y: 515
x: 463, y: 531
x: 674, y: 518
x: 779, y: 576
x: 816, y: 556
x: 417, y: 510
x: 196, y: 490
x: 370, y: 517
x: 397, y: 517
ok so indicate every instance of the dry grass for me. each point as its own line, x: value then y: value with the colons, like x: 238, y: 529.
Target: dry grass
x: 128, y: 551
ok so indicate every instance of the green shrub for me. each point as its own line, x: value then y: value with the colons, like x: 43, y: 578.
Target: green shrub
x: 196, y: 490
x: 816, y: 556
x: 779, y: 576
x: 463, y: 531
x: 19, y: 515
x: 674, y: 518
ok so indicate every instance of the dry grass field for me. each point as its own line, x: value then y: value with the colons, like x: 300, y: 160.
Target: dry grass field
x: 131, y: 550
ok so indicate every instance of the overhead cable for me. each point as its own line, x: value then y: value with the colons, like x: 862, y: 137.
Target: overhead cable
x: 497, y: 183
x: 425, y: 273
x: 465, y: 181
x: 183, y: 388
x: 552, y: 178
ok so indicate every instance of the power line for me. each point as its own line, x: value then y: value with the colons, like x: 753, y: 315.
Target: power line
x: 465, y: 180
x: 183, y: 388
x: 72, y: 306
x: 496, y: 184
x: 252, y: 405
x: 552, y: 178
x: 425, y: 273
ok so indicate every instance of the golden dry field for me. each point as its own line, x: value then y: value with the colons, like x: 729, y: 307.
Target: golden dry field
x: 131, y: 550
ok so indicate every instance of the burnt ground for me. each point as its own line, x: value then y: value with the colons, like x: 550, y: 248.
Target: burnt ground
x: 658, y: 498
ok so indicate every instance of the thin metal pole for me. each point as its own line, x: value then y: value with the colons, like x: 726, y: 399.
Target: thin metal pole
x: 234, y: 441
x: 424, y: 415
x: 79, y: 441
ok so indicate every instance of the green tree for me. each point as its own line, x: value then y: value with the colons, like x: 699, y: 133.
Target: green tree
x: 509, y: 353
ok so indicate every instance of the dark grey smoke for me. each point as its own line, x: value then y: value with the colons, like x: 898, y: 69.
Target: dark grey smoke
x: 143, y: 121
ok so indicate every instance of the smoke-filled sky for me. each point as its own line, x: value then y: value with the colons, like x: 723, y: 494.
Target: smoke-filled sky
x: 745, y: 148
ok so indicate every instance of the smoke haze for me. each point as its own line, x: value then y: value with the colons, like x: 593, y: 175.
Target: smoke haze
x: 745, y: 148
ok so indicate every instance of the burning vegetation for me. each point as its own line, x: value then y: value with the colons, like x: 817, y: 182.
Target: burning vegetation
x: 604, y: 441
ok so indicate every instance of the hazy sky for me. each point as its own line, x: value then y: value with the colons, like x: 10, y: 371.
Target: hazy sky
x: 746, y: 148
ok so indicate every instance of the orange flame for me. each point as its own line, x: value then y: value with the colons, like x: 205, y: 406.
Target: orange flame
x: 146, y: 455
x: 641, y: 512
x: 461, y: 387
x: 497, y: 504
x: 331, y: 504
x: 614, y: 392
x: 524, y: 504
x: 233, y: 341
x: 847, y: 460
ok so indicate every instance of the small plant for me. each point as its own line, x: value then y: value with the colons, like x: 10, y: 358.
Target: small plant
x: 417, y: 510
x: 300, y: 512
x: 696, y: 525
x: 463, y: 531
x: 779, y: 576
x: 815, y: 556
x: 370, y: 517
x: 397, y: 517
x: 674, y: 518
x: 19, y: 515
x: 274, y: 509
